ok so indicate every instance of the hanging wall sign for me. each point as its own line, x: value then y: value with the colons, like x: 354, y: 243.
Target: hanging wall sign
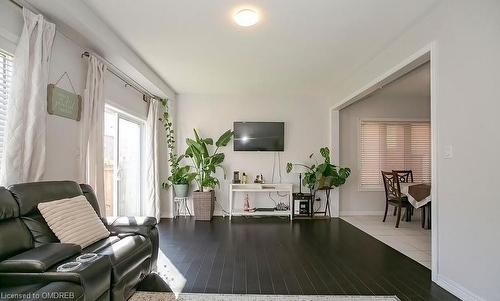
x: 63, y: 103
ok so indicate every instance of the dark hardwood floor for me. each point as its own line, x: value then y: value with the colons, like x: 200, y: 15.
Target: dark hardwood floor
x: 274, y: 256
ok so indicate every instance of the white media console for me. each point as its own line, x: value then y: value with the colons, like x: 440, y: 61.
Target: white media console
x: 259, y: 188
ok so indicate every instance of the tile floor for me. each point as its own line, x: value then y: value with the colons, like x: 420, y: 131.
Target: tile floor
x: 409, y: 239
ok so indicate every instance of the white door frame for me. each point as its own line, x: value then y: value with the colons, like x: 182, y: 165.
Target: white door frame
x: 120, y: 114
x: 426, y: 54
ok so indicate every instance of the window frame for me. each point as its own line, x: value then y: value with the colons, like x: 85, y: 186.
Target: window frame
x: 121, y: 114
x: 358, y: 138
x: 8, y: 56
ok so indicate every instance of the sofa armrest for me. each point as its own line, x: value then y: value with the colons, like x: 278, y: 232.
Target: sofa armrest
x: 94, y: 277
x: 131, y: 224
x: 145, y: 226
x: 40, y: 259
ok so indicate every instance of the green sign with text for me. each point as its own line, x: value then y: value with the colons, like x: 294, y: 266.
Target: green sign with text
x: 63, y: 103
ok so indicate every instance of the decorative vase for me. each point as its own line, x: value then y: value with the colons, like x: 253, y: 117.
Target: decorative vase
x: 181, y: 190
x: 203, y: 203
x: 246, y: 204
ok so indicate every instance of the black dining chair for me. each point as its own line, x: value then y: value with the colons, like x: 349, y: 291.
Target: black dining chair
x: 405, y: 176
x: 393, y: 195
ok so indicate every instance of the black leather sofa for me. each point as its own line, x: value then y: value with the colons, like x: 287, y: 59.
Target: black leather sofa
x: 30, y: 252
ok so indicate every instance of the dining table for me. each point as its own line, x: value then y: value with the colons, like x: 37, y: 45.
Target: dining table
x: 419, y: 196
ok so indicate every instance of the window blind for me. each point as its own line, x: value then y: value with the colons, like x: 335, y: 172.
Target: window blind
x: 6, y: 69
x: 387, y: 145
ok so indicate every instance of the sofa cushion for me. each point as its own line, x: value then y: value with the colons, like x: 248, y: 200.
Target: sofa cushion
x: 39, y: 229
x: 14, y: 238
x: 89, y: 193
x: 73, y: 221
x: 124, y: 253
x: 29, y: 195
x: 8, y: 206
x: 101, y: 244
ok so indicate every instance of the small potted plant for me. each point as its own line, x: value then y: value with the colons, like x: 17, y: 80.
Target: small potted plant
x: 180, y: 175
x: 180, y: 178
x: 205, y: 161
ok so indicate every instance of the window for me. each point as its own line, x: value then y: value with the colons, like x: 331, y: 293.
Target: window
x: 123, y: 163
x: 388, y: 145
x: 6, y: 68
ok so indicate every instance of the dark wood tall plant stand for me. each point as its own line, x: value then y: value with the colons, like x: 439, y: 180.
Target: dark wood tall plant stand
x: 327, y: 203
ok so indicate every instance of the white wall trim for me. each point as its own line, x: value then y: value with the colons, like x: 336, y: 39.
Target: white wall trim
x: 357, y: 213
x: 432, y: 48
x: 335, y: 151
x: 457, y: 290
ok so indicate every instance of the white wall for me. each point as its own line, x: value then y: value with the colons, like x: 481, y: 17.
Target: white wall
x: 467, y: 62
x: 407, y: 98
x: 63, y: 135
x: 306, y: 130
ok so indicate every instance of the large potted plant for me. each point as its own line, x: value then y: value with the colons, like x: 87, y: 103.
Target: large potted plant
x: 206, y: 160
x: 322, y: 175
x: 180, y: 175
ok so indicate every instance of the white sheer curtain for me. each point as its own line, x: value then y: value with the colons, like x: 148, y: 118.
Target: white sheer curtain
x: 151, y: 204
x: 24, y: 152
x: 92, y: 130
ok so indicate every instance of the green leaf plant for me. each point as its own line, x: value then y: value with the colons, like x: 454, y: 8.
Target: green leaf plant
x: 322, y: 176
x: 180, y: 174
x: 206, y: 160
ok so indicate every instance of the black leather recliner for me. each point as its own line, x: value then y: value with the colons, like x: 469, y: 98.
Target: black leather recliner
x: 30, y: 252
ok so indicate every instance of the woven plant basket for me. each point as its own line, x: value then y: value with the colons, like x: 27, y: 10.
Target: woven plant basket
x: 203, y: 203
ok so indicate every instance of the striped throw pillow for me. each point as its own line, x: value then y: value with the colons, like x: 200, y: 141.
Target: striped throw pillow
x: 73, y: 221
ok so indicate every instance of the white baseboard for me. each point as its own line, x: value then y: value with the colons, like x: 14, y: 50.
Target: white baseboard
x: 351, y: 213
x: 457, y: 290
x: 342, y: 213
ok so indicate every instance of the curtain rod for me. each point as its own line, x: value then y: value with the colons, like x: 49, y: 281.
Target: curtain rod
x: 146, y: 95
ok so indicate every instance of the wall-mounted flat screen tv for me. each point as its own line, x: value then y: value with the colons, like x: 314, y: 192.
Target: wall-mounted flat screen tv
x: 259, y: 136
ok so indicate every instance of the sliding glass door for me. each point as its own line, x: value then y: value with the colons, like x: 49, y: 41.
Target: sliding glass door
x: 123, y: 163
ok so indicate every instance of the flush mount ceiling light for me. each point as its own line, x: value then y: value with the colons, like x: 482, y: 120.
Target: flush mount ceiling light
x: 246, y: 17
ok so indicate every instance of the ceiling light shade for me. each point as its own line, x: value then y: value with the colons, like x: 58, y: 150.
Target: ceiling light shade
x: 246, y: 17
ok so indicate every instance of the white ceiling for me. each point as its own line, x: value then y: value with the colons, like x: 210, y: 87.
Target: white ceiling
x: 299, y: 47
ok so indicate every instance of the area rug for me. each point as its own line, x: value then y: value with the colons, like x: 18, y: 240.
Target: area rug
x: 149, y: 296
